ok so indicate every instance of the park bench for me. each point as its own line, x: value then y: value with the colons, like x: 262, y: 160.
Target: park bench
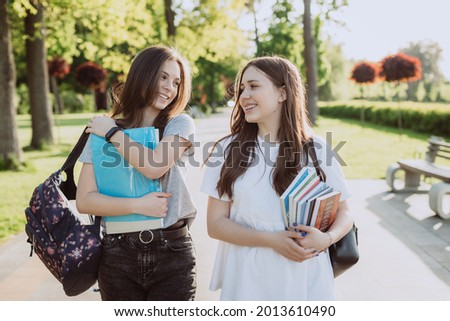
x: 416, y: 170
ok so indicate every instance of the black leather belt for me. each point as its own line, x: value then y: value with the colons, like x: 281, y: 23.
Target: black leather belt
x: 172, y: 232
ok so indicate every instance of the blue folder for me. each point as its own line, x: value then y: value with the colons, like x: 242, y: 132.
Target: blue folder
x: 116, y: 177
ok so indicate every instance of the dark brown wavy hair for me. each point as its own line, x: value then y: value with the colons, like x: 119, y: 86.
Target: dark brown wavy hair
x: 140, y: 89
x: 292, y: 134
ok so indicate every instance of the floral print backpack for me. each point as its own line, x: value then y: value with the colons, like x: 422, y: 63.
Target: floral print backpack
x: 70, y: 249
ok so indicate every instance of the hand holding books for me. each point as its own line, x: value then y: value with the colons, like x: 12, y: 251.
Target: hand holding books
x: 286, y: 244
x: 312, y: 238
x: 159, y: 201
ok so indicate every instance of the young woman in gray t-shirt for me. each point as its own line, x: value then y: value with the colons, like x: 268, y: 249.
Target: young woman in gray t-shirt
x: 150, y: 264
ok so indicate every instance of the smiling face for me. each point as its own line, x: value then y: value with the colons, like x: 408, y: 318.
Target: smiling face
x: 260, y: 99
x: 169, y: 81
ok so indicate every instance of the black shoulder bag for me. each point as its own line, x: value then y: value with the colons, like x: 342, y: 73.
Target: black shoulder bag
x: 344, y: 253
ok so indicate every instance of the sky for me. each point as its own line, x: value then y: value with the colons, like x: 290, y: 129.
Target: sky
x: 377, y: 28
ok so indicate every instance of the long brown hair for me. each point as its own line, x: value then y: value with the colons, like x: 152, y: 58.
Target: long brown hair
x: 292, y: 133
x: 140, y: 89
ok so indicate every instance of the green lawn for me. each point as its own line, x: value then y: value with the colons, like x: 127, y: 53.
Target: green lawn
x: 367, y: 152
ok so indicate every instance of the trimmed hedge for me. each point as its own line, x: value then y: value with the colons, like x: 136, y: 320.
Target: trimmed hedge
x: 433, y: 122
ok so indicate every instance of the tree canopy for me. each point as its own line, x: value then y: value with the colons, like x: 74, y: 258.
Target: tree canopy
x: 110, y: 33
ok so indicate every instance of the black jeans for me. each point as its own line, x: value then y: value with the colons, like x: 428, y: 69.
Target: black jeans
x: 164, y: 270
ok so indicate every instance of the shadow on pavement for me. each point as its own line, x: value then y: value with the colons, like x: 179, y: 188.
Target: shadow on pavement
x: 408, y: 218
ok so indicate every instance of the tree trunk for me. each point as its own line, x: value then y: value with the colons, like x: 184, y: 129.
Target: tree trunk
x: 411, y: 92
x: 10, y: 151
x: 100, y: 99
x: 310, y: 55
x: 257, y: 42
x: 59, y: 106
x: 37, y: 78
x: 428, y: 86
x: 250, y: 5
x: 170, y: 19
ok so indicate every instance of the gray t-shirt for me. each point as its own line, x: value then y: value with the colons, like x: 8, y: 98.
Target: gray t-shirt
x: 181, y: 204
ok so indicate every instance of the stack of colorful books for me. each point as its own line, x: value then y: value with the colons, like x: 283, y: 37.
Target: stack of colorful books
x: 309, y: 201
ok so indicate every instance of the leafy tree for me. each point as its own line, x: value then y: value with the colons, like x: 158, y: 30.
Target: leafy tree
x: 156, y: 10
x: 107, y: 32
x: 10, y: 151
x: 323, y: 58
x: 400, y: 68
x: 286, y: 37
x: 333, y: 68
x: 430, y: 55
x: 110, y: 33
x: 220, y: 47
x: 364, y: 73
x: 283, y: 35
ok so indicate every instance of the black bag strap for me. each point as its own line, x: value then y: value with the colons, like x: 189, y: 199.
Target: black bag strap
x: 311, y: 150
x: 75, y: 153
x: 68, y: 186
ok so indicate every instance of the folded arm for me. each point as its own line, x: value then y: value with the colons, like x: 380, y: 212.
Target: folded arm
x: 90, y: 201
x: 152, y: 163
x: 221, y: 227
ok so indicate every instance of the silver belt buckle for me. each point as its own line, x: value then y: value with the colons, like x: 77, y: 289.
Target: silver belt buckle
x: 143, y: 241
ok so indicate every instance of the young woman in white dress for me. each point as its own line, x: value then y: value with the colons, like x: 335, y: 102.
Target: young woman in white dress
x: 249, y: 169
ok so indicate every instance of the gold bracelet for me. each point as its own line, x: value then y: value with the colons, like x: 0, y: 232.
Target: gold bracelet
x: 331, y: 240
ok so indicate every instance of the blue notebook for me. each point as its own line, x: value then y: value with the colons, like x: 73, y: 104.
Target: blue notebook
x: 116, y: 177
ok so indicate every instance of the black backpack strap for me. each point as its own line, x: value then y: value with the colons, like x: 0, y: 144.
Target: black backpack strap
x: 96, y: 221
x: 68, y: 186
x: 311, y: 150
x: 76, y: 152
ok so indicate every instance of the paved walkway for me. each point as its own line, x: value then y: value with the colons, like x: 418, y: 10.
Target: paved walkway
x: 404, y: 247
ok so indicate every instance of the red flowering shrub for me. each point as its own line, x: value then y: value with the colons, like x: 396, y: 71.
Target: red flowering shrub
x: 90, y: 74
x: 401, y: 67
x: 364, y: 73
x: 58, y: 67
